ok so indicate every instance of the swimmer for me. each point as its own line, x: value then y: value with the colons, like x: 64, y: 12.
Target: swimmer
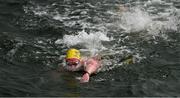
x: 74, y: 62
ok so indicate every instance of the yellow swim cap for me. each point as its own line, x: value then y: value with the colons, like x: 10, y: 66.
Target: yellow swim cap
x: 73, y: 54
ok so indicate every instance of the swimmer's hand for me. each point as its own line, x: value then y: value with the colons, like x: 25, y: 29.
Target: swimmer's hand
x: 85, y: 78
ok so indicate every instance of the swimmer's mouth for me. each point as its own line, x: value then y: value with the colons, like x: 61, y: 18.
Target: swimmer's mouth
x: 72, y: 67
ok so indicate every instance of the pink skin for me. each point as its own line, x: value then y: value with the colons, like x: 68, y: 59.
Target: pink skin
x: 85, y: 78
x: 92, y: 65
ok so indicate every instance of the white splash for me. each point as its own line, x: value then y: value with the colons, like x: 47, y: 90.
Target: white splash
x: 138, y: 19
x: 91, y: 41
x: 135, y: 20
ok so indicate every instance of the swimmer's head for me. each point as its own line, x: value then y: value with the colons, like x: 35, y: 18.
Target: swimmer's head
x: 73, y: 57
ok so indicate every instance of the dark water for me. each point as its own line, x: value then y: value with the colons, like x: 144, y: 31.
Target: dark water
x: 31, y: 59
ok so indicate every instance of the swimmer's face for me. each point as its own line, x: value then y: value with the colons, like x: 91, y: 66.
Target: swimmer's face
x: 73, y: 64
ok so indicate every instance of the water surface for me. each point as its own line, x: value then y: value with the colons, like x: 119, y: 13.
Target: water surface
x: 35, y: 34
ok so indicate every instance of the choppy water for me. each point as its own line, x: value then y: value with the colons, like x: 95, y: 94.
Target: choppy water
x: 34, y: 35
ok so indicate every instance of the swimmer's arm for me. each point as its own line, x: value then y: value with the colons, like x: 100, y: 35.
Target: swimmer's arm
x: 91, y: 67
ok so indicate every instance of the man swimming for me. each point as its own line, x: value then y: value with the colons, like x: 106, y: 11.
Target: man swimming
x: 74, y: 62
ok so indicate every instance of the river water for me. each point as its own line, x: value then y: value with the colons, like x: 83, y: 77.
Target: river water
x: 35, y: 34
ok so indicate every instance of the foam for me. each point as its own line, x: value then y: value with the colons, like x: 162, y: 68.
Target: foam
x: 135, y: 20
x: 138, y: 19
x: 90, y: 41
